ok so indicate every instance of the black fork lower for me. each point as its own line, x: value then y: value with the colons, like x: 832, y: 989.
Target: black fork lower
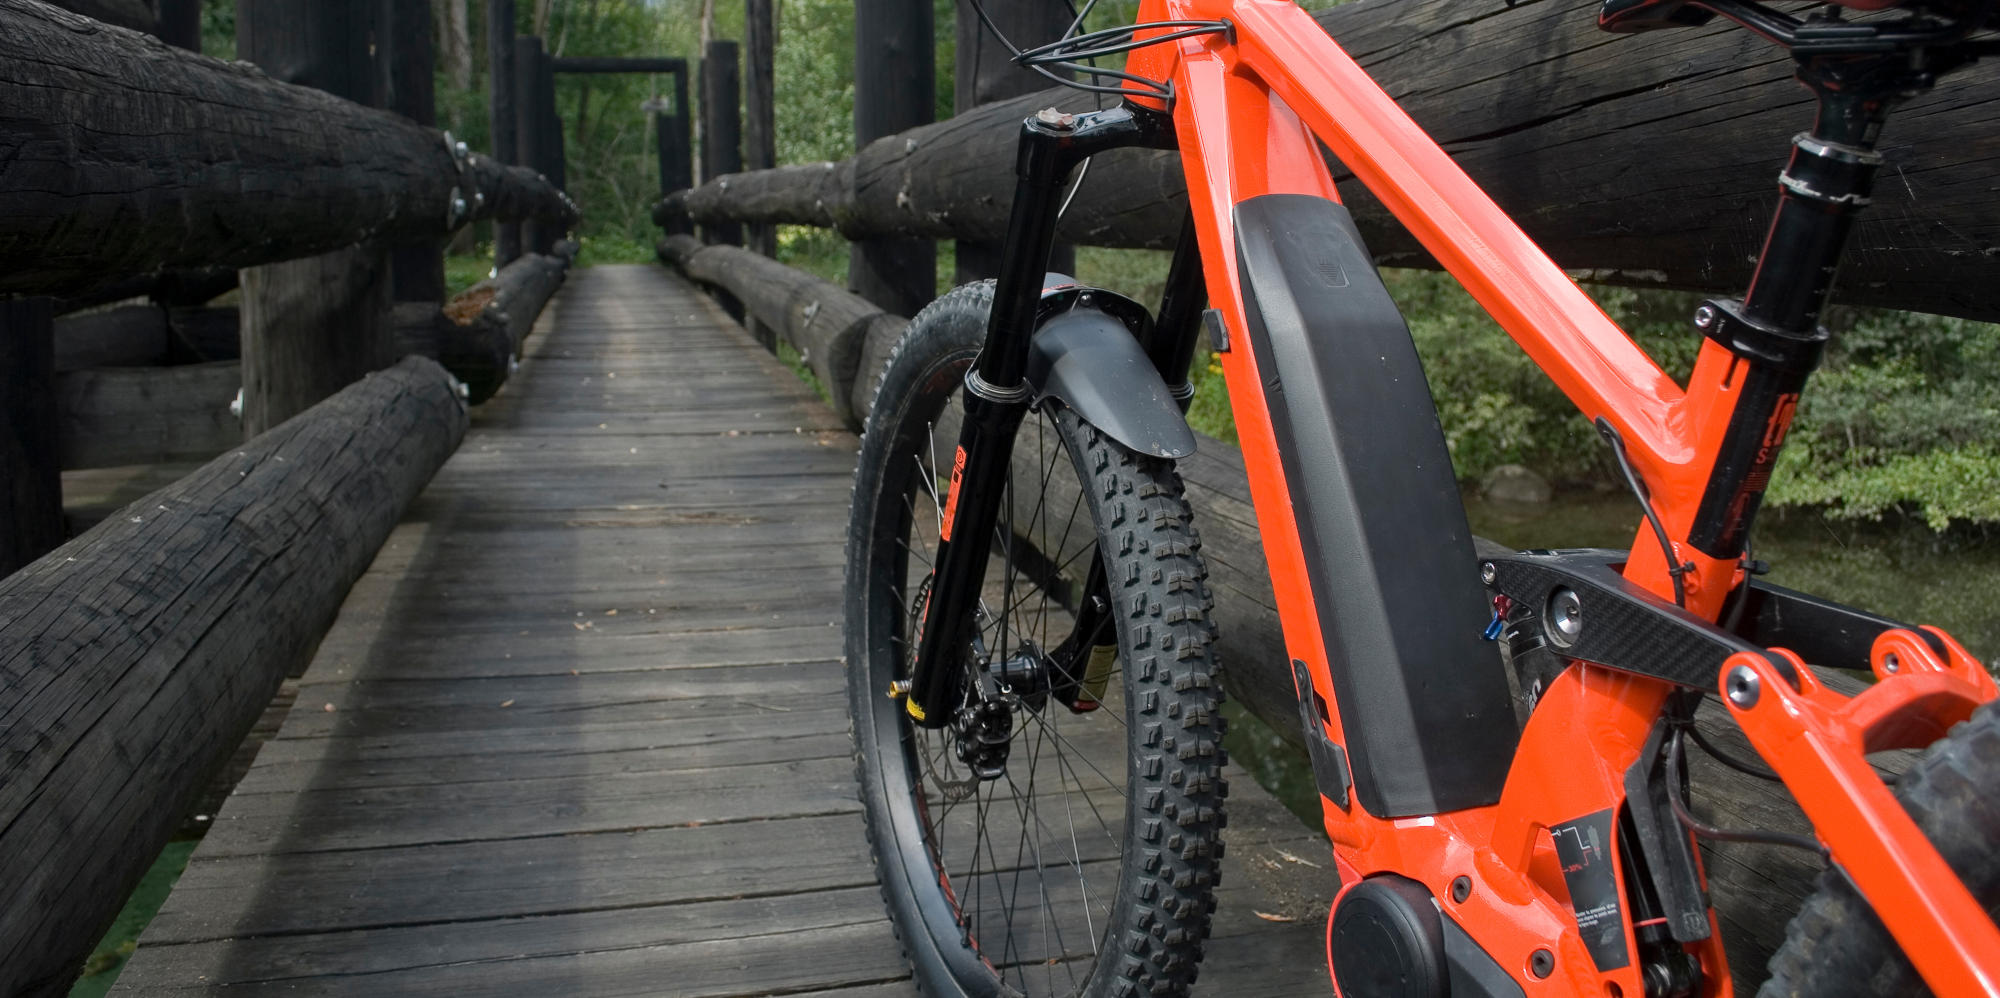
x: 997, y: 394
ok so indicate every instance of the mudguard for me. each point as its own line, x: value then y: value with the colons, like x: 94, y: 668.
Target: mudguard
x: 1087, y: 356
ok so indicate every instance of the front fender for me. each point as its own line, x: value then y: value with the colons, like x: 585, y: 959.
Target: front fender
x: 1090, y: 361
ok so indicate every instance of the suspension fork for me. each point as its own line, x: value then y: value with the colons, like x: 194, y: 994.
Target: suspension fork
x: 997, y: 394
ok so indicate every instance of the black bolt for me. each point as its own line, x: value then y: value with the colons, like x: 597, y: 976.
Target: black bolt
x: 1541, y: 964
x: 1461, y: 888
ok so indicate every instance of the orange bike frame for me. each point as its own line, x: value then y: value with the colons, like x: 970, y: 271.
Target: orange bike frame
x: 1247, y: 109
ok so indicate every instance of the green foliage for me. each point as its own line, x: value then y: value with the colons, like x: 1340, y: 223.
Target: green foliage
x: 1903, y: 417
x: 814, y: 67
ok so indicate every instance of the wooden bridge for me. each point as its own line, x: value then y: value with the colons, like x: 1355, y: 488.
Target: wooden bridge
x: 581, y: 728
x: 575, y: 721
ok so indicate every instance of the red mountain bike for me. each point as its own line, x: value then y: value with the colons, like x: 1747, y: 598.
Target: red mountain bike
x: 1028, y: 642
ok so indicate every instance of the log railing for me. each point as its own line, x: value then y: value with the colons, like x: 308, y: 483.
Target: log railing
x: 1645, y: 160
x: 134, y: 658
x: 1749, y: 883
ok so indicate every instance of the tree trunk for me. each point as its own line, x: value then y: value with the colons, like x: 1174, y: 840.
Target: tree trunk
x: 30, y: 463
x: 252, y: 171
x: 454, y: 41
x: 135, y: 657
x: 895, y: 89
x: 1649, y: 161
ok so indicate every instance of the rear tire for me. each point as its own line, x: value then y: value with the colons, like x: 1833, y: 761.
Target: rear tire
x: 1089, y: 867
x: 1836, y: 946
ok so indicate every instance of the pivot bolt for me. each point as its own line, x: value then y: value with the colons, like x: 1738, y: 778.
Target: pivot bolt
x: 1890, y: 663
x: 1564, y: 621
x: 1487, y: 572
x: 1704, y: 317
x: 1743, y: 687
x: 1542, y: 963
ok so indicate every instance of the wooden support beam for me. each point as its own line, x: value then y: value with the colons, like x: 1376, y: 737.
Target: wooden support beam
x: 192, y: 286
x: 179, y: 23
x: 672, y: 133
x: 30, y: 466
x: 312, y: 326
x: 760, y: 122
x: 894, y: 89
x: 721, y: 130
x: 115, y: 416
x: 129, y: 336
x: 137, y: 655
x: 405, y: 70
x: 537, y: 148
x: 501, y: 114
x: 1647, y: 160
x: 253, y: 171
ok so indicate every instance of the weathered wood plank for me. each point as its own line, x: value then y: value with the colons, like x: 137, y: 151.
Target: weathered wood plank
x: 219, y: 897
x: 146, y: 415
x: 753, y: 946
x: 148, y: 646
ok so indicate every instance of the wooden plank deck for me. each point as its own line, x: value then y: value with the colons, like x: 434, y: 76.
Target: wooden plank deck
x: 581, y: 728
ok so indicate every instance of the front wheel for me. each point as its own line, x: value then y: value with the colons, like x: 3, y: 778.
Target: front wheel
x: 1043, y: 842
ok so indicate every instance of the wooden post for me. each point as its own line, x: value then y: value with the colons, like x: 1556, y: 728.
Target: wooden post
x: 722, y: 153
x: 894, y: 89
x: 985, y: 72
x: 407, y: 86
x: 760, y: 123
x: 555, y: 158
x: 310, y: 327
x: 31, y: 522
x: 531, y: 138
x: 500, y: 113
x: 180, y: 23
x: 676, y: 150
x: 721, y: 129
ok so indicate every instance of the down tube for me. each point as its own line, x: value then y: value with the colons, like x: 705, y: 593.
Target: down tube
x: 1236, y: 144
x: 1568, y: 336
